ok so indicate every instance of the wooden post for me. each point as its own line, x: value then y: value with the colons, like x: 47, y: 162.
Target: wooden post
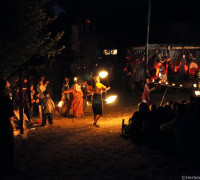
x: 163, y: 96
x: 122, y: 125
x: 28, y: 93
x: 21, y: 104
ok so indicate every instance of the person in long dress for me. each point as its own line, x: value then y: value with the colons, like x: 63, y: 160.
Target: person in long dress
x: 97, y: 99
x: 77, y: 100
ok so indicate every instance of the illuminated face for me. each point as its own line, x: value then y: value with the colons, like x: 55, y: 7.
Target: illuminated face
x: 96, y: 79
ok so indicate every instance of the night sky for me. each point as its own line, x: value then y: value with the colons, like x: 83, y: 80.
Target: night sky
x: 126, y: 21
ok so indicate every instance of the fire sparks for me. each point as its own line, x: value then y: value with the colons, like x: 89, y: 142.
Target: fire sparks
x: 111, y: 99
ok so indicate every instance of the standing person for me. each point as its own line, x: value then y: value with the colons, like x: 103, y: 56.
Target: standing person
x: 6, y: 133
x: 90, y: 79
x: 25, y: 98
x: 41, y: 87
x: 97, y: 99
x: 32, y: 92
x: 77, y: 100
x: 36, y: 105
x: 146, y: 93
x: 48, y: 107
x: 139, y: 75
x: 66, y: 96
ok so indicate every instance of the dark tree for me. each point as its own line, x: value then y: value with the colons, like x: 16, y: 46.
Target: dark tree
x: 25, y: 33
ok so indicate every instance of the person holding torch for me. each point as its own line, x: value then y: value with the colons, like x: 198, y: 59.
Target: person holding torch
x: 97, y: 99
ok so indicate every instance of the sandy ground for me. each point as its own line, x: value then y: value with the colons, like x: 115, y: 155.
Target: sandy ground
x: 75, y: 149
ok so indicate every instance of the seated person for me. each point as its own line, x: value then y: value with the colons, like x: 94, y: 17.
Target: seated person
x: 137, y: 121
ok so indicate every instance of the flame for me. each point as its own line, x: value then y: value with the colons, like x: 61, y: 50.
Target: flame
x: 111, y: 99
x: 103, y: 74
x: 197, y: 93
x: 60, y: 103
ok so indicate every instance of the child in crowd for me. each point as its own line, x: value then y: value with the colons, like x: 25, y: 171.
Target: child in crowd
x: 48, y: 107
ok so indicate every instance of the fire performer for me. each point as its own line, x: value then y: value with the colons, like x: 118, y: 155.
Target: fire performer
x: 97, y: 99
x: 146, y: 93
x: 77, y: 100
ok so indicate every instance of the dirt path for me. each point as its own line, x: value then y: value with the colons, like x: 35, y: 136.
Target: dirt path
x: 74, y: 149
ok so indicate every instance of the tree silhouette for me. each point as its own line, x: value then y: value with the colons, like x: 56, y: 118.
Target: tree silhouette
x: 25, y: 34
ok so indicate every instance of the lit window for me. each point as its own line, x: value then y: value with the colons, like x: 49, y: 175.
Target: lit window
x: 107, y: 52
x: 114, y: 51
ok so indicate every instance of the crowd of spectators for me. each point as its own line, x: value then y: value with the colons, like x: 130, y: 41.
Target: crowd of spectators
x: 174, y: 127
x: 38, y: 104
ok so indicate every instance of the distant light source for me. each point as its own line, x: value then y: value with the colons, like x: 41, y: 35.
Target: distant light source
x: 75, y: 78
x: 194, y: 85
x: 181, y: 85
x: 114, y: 51
x: 103, y: 74
x: 166, y: 83
x: 106, y: 52
x: 173, y: 84
x: 111, y: 99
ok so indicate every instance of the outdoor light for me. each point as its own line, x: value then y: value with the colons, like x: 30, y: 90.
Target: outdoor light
x: 111, y: 99
x: 75, y: 78
x: 181, y: 85
x: 160, y: 82
x: 173, y: 84
x: 153, y: 80
x: 166, y: 83
x: 197, y: 93
x: 60, y: 103
x: 103, y: 74
x: 194, y: 85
